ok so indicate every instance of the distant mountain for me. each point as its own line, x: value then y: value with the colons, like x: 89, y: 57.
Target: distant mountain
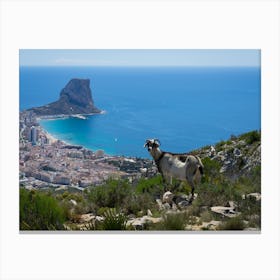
x: 75, y: 98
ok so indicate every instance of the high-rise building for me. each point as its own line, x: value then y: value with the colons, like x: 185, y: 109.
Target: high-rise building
x: 33, y: 135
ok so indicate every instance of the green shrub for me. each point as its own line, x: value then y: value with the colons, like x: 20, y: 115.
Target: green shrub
x: 251, y: 137
x: 114, y: 220
x: 152, y: 186
x: 215, y: 194
x: 211, y: 170
x: 111, y: 194
x: 173, y: 221
x: 235, y: 223
x: 135, y: 203
x: 40, y: 211
x: 219, y: 146
x: 206, y: 216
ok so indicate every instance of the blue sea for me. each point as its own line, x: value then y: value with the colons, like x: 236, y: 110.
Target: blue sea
x: 186, y: 108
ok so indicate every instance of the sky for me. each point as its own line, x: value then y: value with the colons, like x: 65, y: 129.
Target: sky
x: 144, y: 57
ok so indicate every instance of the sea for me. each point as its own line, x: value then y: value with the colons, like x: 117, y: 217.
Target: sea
x: 184, y: 107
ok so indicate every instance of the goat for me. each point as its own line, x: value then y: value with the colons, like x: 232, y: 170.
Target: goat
x: 183, y: 167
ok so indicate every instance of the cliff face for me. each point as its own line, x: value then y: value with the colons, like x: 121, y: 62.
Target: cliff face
x: 75, y: 98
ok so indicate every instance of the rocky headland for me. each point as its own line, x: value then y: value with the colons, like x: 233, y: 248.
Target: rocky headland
x: 48, y: 163
x: 75, y: 98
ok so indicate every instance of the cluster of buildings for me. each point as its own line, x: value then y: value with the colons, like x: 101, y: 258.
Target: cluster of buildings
x: 48, y: 163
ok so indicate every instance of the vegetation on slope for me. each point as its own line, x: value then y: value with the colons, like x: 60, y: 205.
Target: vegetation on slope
x: 118, y: 201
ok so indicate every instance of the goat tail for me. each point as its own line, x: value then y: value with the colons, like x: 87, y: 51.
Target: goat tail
x: 200, y: 165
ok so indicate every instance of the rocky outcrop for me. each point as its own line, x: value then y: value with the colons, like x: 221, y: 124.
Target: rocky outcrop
x: 75, y: 98
x: 237, y: 157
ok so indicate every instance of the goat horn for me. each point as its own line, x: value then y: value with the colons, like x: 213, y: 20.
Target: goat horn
x: 157, y: 141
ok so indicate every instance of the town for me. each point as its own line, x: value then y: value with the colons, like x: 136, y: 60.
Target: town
x: 45, y: 162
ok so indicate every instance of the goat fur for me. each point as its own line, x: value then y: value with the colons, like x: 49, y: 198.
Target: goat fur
x: 183, y: 167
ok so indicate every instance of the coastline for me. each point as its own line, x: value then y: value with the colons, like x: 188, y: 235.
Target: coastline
x: 52, y: 139
x: 49, y: 162
x: 64, y: 116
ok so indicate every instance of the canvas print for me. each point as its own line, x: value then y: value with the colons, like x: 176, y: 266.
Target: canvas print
x: 140, y: 140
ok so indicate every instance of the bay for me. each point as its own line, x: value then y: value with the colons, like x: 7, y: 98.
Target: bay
x: 184, y: 107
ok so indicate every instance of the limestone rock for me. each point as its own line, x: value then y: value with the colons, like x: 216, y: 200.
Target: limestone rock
x: 225, y: 211
x: 166, y: 206
x: 73, y: 202
x: 180, y: 198
x: 149, y: 213
x: 183, y: 204
x: 140, y: 223
x: 212, y: 225
x: 159, y: 203
x: 167, y: 197
x: 75, y: 98
x: 256, y: 196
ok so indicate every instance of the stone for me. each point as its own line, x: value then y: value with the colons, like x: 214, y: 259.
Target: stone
x: 225, y: 211
x: 223, y: 169
x: 85, y: 218
x: 231, y: 204
x: 166, y: 206
x: 183, y: 204
x: 237, y: 152
x: 73, y: 202
x: 159, y: 203
x: 143, y: 170
x: 256, y: 196
x: 174, y: 207
x: 140, y: 223
x: 180, y: 198
x: 149, y: 213
x: 99, y: 218
x: 212, y: 225
x: 167, y: 197
x: 212, y: 151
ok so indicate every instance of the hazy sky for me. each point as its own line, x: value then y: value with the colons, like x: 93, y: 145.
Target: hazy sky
x: 142, y: 57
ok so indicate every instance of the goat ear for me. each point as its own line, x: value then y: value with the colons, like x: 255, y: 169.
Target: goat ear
x: 156, y: 141
x: 147, y: 141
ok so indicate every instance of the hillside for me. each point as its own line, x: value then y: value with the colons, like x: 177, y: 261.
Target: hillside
x: 229, y: 197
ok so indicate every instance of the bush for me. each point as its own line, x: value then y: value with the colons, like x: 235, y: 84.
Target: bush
x: 211, y: 170
x: 114, y: 220
x: 206, y: 216
x: 135, y: 203
x: 112, y: 194
x: 40, y: 211
x: 235, y: 223
x: 215, y: 194
x: 251, y: 137
x: 121, y: 195
x: 173, y: 221
x: 152, y: 186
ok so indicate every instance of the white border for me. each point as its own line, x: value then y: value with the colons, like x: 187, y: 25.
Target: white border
x: 139, y: 24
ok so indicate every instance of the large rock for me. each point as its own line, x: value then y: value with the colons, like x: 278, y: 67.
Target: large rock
x: 75, y: 98
x: 167, y: 197
x: 256, y: 196
x: 140, y: 223
x: 225, y: 211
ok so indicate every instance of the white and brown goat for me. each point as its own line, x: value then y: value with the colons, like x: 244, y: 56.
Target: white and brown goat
x: 183, y: 167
